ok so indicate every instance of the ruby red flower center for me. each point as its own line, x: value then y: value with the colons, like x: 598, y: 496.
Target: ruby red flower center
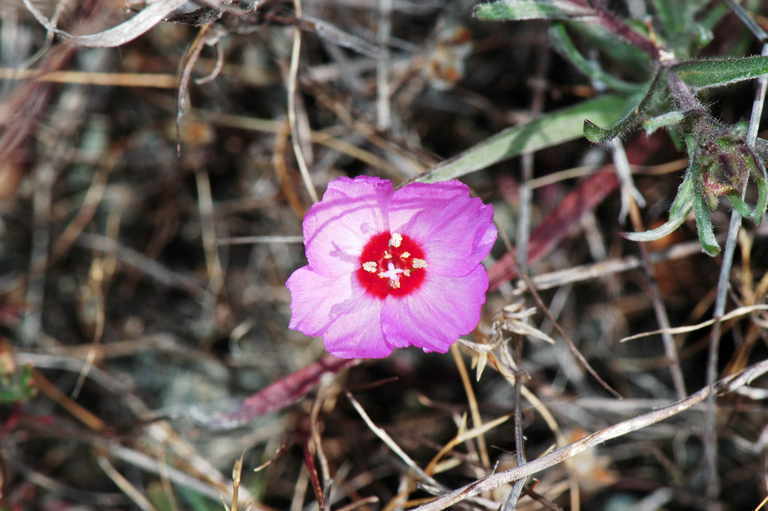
x: 391, y: 264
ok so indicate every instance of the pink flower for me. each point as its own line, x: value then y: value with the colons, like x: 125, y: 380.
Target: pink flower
x: 392, y: 268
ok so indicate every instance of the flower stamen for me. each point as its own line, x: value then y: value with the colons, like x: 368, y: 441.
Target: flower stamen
x: 391, y: 264
x: 393, y: 274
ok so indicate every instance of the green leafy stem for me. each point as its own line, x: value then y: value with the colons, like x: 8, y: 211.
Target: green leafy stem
x: 721, y: 162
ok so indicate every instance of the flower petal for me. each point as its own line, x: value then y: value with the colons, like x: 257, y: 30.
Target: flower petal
x: 455, y: 231
x: 337, y: 228
x: 416, y: 197
x: 352, y: 188
x: 443, y: 309
x: 337, y: 309
x: 357, y: 333
x: 457, y: 239
x: 316, y: 299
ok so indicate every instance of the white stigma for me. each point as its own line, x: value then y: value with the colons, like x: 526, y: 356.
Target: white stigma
x: 393, y: 274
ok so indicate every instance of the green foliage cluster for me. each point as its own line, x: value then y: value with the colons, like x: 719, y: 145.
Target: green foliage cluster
x: 665, y: 47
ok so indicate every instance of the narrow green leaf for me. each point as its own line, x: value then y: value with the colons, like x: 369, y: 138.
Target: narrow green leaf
x: 762, y: 200
x: 704, y: 226
x: 681, y: 206
x: 596, y: 134
x: 643, y: 104
x: 672, y: 15
x: 758, y: 172
x: 516, y: 10
x: 740, y: 206
x: 679, y: 27
x: 756, y: 167
x: 667, y: 228
x: 684, y: 198
x: 616, y: 48
x: 546, y: 131
x: 562, y: 42
x: 703, y: 74
x: 662, y: 121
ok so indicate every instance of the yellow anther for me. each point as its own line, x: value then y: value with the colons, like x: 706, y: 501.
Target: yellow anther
x: 405, y: 255
x: 387, y: 254
x: 395, y: 240
x: 419, y: 263
x: 370, y: 266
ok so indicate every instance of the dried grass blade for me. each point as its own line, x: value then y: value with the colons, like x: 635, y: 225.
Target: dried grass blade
x: 384, y: 436
x: 463, y: 436
x: 335, y: 35
x: 735, y: 313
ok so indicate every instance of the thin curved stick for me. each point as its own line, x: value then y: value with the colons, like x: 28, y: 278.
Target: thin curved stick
x: 293, y: 73
x: 735, y: 313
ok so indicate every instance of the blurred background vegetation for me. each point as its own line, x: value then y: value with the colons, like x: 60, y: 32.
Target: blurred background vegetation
x: 150, y: 212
